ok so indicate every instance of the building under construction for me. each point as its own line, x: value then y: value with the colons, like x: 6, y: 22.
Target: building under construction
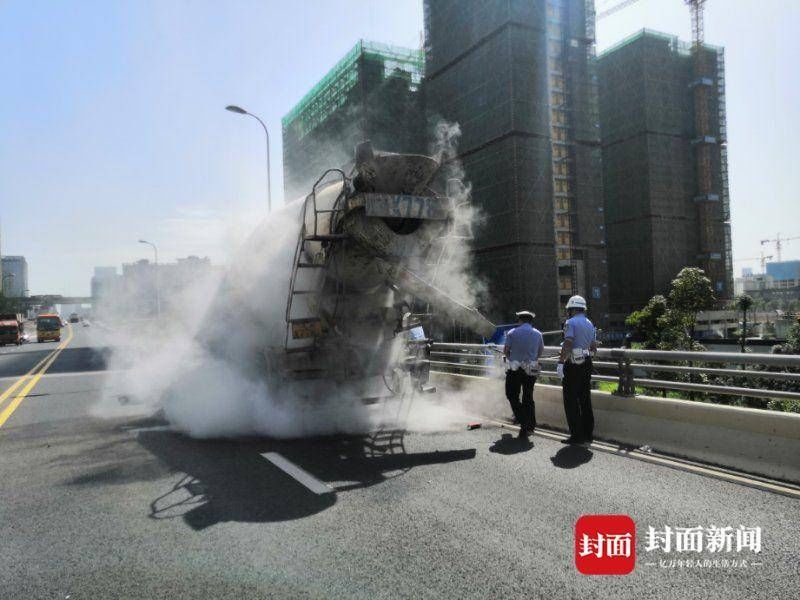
x: 662, y: 111
x: 370, y: 94
x: 517, y: 76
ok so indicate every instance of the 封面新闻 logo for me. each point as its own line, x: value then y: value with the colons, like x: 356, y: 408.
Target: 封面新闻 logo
x: 605, y: 544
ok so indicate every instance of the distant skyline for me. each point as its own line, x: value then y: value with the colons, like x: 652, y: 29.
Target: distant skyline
x: 113, y: 128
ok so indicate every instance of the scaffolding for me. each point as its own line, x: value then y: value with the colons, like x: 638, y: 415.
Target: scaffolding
x: 516, y: 75
x: 724, y: 190
x: 332, y: 91
x: 371, y: 93
x: 664, y: 165
x: 563, y: 159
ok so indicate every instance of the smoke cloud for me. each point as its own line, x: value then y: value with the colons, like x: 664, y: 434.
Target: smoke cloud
x: 203, y: 365
x: 454, y: 271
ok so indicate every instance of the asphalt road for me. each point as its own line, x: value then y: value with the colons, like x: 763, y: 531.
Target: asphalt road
x: 123, y: 508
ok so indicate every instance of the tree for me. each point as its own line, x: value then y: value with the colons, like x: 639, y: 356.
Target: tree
x: 645, y: 322
x: 690, y: 293
x: 669, y: 323
x: 792, y: 345
x: 7, y: 304
x: 743, y: 304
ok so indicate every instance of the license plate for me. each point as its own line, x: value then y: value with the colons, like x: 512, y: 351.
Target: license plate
x: 310, y: 329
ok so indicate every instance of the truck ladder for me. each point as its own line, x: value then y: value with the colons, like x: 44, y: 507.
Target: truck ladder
x: 304, y: 260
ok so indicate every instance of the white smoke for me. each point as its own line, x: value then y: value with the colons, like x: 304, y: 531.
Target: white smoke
x: 454, y: 270
x: 203, y: 366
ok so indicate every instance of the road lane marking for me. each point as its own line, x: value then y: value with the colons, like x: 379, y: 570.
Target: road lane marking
x: 299, y: 475
x: 72, y: 374
x: 12, y: 406
x: 152, y: 429
x: 679, y: 464
x: 19, y: 381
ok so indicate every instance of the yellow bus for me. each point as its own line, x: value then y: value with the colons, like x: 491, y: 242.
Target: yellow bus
x: 48, y: 328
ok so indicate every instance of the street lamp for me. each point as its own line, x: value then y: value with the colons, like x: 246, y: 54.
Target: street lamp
x: 240, y: 111
x: 158, y: 294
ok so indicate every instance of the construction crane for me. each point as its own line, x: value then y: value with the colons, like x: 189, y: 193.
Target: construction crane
x: 778, y: 241
x: 761, y: 259
x: 696, y: 7
x: 615, y: 8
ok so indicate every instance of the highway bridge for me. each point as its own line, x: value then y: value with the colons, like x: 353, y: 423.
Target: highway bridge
x: 53, y: 299
x: 124, y: 507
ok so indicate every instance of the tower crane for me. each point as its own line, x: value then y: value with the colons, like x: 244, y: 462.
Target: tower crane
x: 761, y: 259
x: 615, y: 8
x: 778, y: 241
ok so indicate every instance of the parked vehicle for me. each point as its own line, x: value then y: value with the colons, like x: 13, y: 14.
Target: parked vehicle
x: 18, y: 317
x: 10, y: 333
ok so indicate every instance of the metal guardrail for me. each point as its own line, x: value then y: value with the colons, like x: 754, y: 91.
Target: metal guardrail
x: 625, y: 367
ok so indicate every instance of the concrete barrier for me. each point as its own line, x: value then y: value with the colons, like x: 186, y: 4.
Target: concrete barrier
x: 761, y: 442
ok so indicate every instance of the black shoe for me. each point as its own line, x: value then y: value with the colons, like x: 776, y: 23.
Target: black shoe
x: 571, y: 440
x: 522, y: 435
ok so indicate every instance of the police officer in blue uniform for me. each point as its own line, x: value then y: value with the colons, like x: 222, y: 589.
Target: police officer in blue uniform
x: 524, y: 346
x: 575, y: 370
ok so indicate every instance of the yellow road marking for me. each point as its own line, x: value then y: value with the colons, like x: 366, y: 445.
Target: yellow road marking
x: 19, y: 381
x: 724, y: 475
x: 48, y: 361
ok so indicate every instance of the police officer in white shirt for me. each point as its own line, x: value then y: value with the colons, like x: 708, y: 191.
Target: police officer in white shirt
x: 524, y: 346
x: 575, y: 370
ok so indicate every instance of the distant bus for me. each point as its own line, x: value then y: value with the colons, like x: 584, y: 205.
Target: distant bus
x: 48, y: 328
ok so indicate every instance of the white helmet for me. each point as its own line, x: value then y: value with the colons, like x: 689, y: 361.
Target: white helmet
x: 576, y: 302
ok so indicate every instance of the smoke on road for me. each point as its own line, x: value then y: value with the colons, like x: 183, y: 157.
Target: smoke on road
x: 203, y: 367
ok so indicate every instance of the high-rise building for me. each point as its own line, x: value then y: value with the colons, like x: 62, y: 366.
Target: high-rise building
x: 664, y: 167
x: 778, y: 288
x: 144, y: 288
x: 786, y: 273
x: 104, y: 283
x: 15, y: 276
x: 518, y: 77
x: 370, y: 94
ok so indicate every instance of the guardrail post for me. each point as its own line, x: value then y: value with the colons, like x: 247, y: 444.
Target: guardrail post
x: 625, y: 387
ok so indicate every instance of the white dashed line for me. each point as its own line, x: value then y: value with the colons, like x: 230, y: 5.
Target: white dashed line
x: 291, y: 469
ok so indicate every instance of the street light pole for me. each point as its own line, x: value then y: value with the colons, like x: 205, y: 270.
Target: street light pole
x: 158, y: 293
x: 240, y: 111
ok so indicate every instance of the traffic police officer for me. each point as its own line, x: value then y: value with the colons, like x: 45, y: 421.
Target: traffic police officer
x: 575, y: 370
x: 524, y: 346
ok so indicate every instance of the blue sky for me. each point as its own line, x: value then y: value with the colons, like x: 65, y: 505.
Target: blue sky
x: 112, y: 120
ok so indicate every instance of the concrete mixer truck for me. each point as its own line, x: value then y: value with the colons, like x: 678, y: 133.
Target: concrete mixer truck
x: 369, y: 243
